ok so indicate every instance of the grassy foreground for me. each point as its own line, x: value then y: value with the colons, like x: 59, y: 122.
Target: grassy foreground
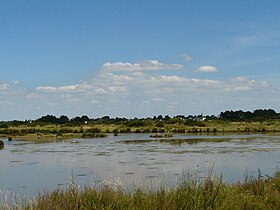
x: 196, y: 194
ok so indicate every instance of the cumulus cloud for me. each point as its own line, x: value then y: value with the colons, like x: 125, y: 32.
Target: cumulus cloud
x: 127, y: 84
x: 46, y: 88
x: 130, y: 89
x: 186, y: 57
x: 4, y: 86
x: 84, y: 87
x: 128, y: 80
x: 32, y: 96
x: 207, y: 69
x: 167, y: 84
x: 242, y: 84
x: 61, y: 88
x: 146, y: 65
x: 15, y: 82
x: 171, y: 79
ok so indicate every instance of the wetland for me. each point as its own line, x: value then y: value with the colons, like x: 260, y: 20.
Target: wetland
x: 29, y: 167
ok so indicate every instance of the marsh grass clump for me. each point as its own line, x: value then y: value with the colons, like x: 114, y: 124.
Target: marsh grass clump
x: 94, y: 135
x: 157, y: 135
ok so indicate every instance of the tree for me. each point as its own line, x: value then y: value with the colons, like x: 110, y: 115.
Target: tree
x: 85, y: 118
x: 48, y: 119
x: 63, y: 119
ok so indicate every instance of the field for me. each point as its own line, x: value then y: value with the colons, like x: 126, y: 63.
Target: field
x: 45, y: 131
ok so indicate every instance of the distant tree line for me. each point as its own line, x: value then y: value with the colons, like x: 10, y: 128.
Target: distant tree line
x: 257, y: 115
x: 158, y: 121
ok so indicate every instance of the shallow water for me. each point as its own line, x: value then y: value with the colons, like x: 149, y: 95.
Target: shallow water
x: 134, y: 159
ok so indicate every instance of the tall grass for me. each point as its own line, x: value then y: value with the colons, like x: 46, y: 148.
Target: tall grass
x: 207, y: 193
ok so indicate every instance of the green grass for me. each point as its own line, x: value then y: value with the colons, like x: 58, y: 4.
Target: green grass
x: 208, y: 193
x: 215, y: 127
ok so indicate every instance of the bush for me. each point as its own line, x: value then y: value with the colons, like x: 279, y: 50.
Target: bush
x: 147, y: 130
x: 154, y: 130
x: 138, y: 131
x: 4, y: 125
x: 115, y: 131
x: 159, y: 124
x: 93, y: 130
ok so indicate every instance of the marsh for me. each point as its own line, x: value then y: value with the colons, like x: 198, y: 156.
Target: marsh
x: 28, y: 167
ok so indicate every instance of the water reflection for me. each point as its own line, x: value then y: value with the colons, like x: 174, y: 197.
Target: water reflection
x: 28, y: 167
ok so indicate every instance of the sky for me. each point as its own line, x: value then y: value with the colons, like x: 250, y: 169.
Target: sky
x: 131, y: 58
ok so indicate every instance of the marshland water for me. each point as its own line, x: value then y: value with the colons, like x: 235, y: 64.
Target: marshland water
x: 134, y: 160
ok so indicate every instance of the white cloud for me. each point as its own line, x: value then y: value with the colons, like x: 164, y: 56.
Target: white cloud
x: 117, y: 89
x: 133, y: 85
x: 119, y: 93
x: 68, y: 88
x: 171, y: 79
x: 242, y: 84
x: 4, y: 86
x: 100, y: 90
x: 208, y: 69
x: 175, y: 80
x: 167, y: 84
x: 146, y: 65
x: 85, y: 88
x: 186, y: 57
x: 15, y: 82
x: 32, y: 96
x: 58, y: 89
x: 46, y: 88
x: 120, y: 78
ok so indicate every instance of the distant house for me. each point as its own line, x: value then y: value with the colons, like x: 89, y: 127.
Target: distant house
x: 199, y: 117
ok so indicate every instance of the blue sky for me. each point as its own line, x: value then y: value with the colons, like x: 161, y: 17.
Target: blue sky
x: 137, y: 58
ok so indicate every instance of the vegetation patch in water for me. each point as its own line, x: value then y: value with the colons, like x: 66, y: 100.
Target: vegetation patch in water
x: 158, y: 135
x: 176, y: 141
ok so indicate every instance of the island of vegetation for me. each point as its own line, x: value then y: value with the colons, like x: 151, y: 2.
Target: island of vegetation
x: 49, y: 126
